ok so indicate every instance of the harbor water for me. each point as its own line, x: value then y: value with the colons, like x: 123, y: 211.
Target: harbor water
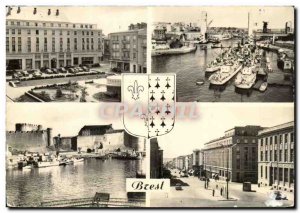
x: 29, y: 188
x: 190, y: 68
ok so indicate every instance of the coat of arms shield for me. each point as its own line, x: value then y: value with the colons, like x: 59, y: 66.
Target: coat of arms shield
x: 149, y: 100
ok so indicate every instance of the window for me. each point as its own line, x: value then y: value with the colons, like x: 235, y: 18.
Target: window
x: 7, y: 31
x: 68, y: 44
x: 12, y: 23
x: 12, y: 31
x: 19, y: 44
x: 37, y: 45
x: 45, y: 32
x: 68, y: 32
x: 92, y: 33
x: 271, y: 157
x: 280, y: 139
x: 82, y: 32
x: 75, y: 43
x: 18, y: 23
x: 52, y: 24
x: 53, y: 32
x: 267, y: 141
x: 292, y: 155
x: 292, y: 137
x: 28, y: 44
x: 60, y: 32
x: 44, y: 24
x: 7, y: 44
x: 266, y: 172
x: 285, y: 155
x: 280, y: 155
x: 87, y: 33
x: 275, y: 140
x: 59, y: 25
x: 28, y: 32
x: 74, y: 25
x: 13, y: 47
x: 36, y: 24
x: 285, y: 138
x: 37, y: 32
x: 261, y: 171
x: 261, y: 142
x: 271, y: 141
x: 19, y: 31
x: 75, y: 32
x: 27, y: 23
x: 266, y: 155
x: 53, y: 44
x: 61, y: 44
x: 275, y: 155
x: 261, y: 156
x: 45, y: 45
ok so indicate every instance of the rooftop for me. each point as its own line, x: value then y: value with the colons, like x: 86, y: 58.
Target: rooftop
x: 277, y: 127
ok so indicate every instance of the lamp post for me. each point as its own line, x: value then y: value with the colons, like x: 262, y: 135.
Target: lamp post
x: 227, y: 169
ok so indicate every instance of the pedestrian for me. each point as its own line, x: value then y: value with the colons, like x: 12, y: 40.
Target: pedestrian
x: 213, y: 192
x: 217, y: 186
x: 221, y: 191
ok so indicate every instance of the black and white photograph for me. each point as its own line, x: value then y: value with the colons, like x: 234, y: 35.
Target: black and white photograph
x: 232, y: 156
x: 70, y: 158
x: 72, y: 54
x: 226, y: 54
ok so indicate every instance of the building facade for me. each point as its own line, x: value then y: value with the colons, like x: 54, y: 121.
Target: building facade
x: 128, y: 50
x: 276, y: 156
x: 233, y: 155
x: 44, y: 39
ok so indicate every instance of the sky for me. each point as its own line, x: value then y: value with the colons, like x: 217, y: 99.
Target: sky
x: 65, y: 119
x: 215, y: 118
x: 113, y: 19
x: 226, y: 16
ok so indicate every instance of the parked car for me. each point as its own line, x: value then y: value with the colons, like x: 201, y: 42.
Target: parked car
x: 48, y: 71
x: 96, y: 65
x: 43, y: 69
x: 62, y: 69
x: 85, y: 68
x: 80, y: 69
x: 37, y: 73
x: 25, y: 73
x: 54, y: 70
x: 178, y: 186
x: 17, y: 75
x: 71, y: 70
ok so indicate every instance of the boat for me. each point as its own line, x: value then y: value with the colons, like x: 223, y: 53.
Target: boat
x: 30, y: 166
x: 78, y: 160
x: 43, y: 164
x: 246, y: 78
x: 225, y: 74
x: 199, y: 83
x: 212, y: 67
x: 173, y: 51
x: 263, y: 87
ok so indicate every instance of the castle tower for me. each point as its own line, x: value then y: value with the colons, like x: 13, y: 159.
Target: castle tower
x: 49, y: 137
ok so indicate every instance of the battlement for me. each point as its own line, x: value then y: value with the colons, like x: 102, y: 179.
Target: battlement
x: 25, y: 127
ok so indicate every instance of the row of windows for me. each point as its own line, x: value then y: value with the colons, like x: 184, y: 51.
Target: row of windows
x: 281, y: 138
x: 281, y: 156
x: 38, y: 24
x: 53, y: 32
x: 86, y: 46
x: 281, y: 174
x: 124, y: 38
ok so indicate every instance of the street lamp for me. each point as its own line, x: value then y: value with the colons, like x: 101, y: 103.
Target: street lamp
x: 227, y: 169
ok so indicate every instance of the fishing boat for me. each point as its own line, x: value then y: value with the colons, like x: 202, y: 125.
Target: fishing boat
x: 212, y: 67
x: 225, y: 74
x: 173, y: 51
x: 263, y: 87
x: 246, y: 78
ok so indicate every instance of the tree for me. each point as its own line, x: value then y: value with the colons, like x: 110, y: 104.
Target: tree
x: 84, y: 93
x: 59, y: 93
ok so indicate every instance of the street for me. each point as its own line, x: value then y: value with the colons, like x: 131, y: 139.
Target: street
x: 195, y: 195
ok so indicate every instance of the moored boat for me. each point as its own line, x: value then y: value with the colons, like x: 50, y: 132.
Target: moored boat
x: 246, y: 78
x: 78, y: 160
x: 263, y: 87
x: 43, y: 164
x: 225, y: 74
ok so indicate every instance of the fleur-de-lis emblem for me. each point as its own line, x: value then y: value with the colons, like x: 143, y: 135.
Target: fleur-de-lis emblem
x: 135, y: 90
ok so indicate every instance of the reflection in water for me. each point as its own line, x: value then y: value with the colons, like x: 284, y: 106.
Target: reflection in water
x: 190, y: 68
x: 31, y: 187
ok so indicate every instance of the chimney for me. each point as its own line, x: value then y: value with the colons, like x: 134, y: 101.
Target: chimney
x: 19, y: 10
x: 34, y: 11
x: 8, y: 11
x: 57, y: 12
x: 49, y: 12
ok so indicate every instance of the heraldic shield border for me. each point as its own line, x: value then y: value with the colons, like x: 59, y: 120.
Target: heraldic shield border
x: 157, y: 93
